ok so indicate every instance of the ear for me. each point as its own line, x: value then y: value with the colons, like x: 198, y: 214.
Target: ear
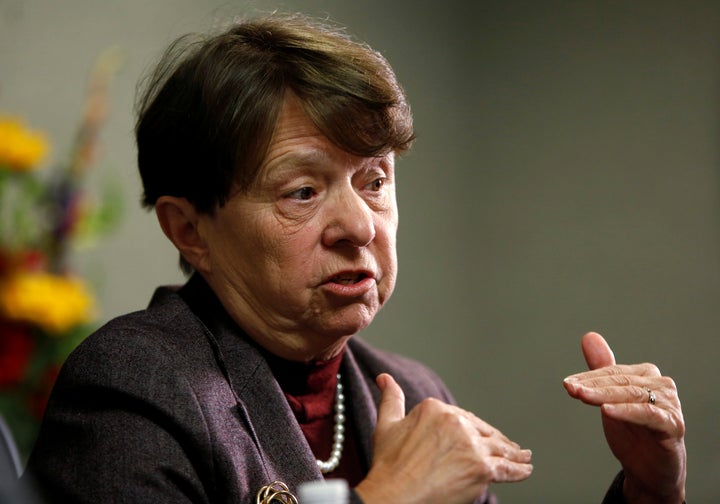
x: 179, y: 221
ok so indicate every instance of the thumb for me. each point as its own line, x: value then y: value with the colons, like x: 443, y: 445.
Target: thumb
x: 392, y: 402
x: 596, y: 351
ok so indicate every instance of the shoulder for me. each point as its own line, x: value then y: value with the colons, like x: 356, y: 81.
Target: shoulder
x: 160, y: 340
x: 416, y: 379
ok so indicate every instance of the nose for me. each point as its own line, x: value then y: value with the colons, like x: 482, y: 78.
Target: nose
x: 350, y: 221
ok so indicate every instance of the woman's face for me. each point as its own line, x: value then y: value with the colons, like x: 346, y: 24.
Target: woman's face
x: 305, y: 257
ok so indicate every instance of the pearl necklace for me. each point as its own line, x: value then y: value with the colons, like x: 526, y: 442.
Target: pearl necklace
x: 338, y: 434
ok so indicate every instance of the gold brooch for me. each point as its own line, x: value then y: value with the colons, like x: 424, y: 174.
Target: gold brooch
x: 276, y: 492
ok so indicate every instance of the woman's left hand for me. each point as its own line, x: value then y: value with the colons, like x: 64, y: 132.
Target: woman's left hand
x: 642, y: 419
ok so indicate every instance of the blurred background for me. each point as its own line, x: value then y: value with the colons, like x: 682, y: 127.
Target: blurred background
x: 566, y: 178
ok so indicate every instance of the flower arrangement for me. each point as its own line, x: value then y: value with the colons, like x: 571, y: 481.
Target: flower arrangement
x: 45, y: 310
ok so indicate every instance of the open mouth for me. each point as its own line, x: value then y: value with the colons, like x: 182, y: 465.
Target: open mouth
x: 348, y: 278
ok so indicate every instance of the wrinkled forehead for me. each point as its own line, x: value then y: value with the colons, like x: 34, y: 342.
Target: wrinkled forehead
x: 293, y: 124
x: 296, y: 142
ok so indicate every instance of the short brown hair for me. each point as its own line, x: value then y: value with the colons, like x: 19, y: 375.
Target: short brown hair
x: 207, y: 113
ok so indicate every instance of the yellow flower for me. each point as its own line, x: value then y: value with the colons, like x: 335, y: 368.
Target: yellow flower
x: 21, y: 149
x: 53, y: 302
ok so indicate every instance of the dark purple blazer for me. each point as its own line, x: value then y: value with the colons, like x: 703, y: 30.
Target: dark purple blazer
x: 175, y: 404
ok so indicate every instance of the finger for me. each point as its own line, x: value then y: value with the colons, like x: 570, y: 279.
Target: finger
x: 638, y: 394
x: 493, y: 442
x: 392, y: 403
x: 508, y: 471
x: 481, y: 426
x: 618, y: 373
x: 597, y: 352
x: 510, y: 450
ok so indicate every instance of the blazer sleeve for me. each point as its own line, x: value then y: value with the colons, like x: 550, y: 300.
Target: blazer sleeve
x: 112, y: 432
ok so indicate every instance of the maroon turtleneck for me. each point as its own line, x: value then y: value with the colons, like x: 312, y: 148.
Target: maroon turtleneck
x: 310, y: 389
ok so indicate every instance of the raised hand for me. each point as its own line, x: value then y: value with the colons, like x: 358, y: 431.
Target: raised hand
x: 642, y: 420
x: 438, y: 453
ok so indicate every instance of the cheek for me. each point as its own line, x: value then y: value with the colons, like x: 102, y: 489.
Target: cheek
x: 389, y: 225
x: 389, y: 255
x: 291, y: 255
x: 240, y: 248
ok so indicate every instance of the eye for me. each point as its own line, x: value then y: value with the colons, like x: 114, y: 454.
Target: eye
x: 304, y: 193
x: 376, y: 184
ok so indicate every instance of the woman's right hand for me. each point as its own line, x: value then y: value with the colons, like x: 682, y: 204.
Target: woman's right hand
x: 438, y: 453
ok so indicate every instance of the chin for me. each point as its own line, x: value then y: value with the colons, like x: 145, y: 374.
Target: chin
x: 336, y: 332
x: 339, y: 327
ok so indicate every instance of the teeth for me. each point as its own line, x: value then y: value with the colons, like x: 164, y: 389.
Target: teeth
x: 347, y: 280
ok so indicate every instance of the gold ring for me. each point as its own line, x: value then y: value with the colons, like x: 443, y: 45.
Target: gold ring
x: 651, y: 396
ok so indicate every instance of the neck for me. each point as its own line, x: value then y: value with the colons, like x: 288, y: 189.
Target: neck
x: 303, y: 352
x: 282, y: 338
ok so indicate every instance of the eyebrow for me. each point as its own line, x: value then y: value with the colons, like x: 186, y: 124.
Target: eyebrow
x: 304, y: 159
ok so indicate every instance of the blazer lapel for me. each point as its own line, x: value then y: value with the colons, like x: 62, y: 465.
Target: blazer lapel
x: 281, y: 444
x: 361, y: 402
x: 262, y: 407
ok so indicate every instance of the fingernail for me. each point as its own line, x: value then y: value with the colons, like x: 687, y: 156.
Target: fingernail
x: 570, y: 379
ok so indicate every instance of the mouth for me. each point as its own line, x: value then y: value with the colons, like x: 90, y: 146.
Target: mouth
x: 349, y: 277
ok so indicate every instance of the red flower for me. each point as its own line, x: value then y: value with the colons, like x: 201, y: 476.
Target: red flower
x: 25, y: 260
x: 16, y: 345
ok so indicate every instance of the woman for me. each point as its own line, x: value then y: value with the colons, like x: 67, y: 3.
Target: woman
x: 267, y: 152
